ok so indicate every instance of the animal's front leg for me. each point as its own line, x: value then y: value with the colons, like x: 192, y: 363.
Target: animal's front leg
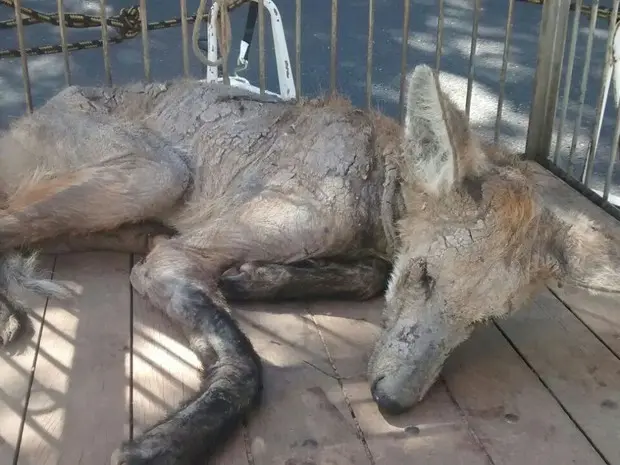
x: 175, y: 281
x: 355, y: 280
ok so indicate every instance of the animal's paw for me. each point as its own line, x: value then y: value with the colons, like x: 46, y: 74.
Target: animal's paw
x: 254, y: 281
x: 163, y: 444
x: 11, y: 322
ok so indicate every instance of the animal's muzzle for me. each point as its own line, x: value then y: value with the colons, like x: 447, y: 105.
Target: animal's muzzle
x: 383, y: 401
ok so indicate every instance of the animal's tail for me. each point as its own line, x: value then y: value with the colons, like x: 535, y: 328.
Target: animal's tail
x: 17, y: 269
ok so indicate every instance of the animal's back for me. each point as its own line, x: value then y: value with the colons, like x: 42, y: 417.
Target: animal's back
x: 71, y: 131
x: 318, y: 157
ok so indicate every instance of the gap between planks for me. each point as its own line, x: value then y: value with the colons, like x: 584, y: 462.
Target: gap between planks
x: 17, y: 366
x: 293, y: 348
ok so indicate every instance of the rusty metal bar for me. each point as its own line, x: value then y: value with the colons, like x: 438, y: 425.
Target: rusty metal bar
x: 63, y: 40
x: 586, y: 175
x: 145, y: 41
x: 185, y: 37
x: 472, y: 56
x: 569, y: 79
x: 261, y: 46
x: 502, y: 74
x: 403, y: 59
x: 553, y: 29
x: 333, y: 51
x: 371, y: 28
x: 106, y: 44
x: 584, y: 84
x: 612, y: 157
x: 298, y: 49
x: 22, y: 50
x: 438, y: 50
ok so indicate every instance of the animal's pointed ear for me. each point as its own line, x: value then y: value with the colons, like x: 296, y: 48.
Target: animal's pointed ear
x: 427, y: 150
x: 586, y: 254
x: 437, y: 138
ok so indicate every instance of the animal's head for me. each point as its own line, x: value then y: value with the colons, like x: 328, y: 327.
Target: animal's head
x: 475, y: 242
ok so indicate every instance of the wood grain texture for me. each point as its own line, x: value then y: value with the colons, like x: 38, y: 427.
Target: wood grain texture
x: 434, y: 432
x: 510, y: 411
x: 599, y: 312
x: 304, y: 418
x: 582, y: 373
x: 78, y: 407
x: 557, y: 194
x: 16, y: 365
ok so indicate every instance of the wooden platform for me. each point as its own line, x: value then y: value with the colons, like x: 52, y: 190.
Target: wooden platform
x: 540, y: 388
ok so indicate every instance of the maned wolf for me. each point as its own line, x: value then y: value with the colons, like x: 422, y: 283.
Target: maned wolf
x: 273, y: 200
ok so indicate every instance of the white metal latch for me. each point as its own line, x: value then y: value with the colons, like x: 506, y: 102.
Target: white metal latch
x: 283, y: 62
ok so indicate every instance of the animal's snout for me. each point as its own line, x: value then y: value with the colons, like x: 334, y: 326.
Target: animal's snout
x: 385, y: 403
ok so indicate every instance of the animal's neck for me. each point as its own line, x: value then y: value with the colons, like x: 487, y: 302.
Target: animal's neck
x: 387, y: 149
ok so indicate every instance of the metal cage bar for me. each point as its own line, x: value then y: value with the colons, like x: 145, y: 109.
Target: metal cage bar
x: 146, y: 59
x: 261, y: 47
x: 586, y: 175
x: 403, y: 59
x: 553, y: 34
x: 472, y: 56
x: 583, y: 85
x: 24, y: 59
x: 106, y: 44
x: 502, y: 74
x: 553, y: 28
x: 371, y: 28
x: 333, y: 62
x: 63, y: 41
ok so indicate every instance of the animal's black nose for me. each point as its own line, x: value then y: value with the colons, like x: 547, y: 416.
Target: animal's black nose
x: 383, y: 401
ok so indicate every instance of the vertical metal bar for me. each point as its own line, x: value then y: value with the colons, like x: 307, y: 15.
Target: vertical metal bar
x: 333, y: 50
x: 22, y: 51
x: 440, y: 21
x: 222, y: 39
x: 298, y: 48
x: 145, y: 41
x: 106, y: 45
x: 185, y: 38
x: 472, y: 56
x: 553, y: 26
x: 63, y: 40
x: 569, y: 78
x: 612, y: 157
x: 261, y: 45
x: 403, y: 59
x: 502, y: 74
x: 584, y: 84
x: 371, y: 29
x: 600, y: 107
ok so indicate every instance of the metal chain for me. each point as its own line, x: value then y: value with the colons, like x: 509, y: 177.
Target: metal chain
x: 126, y: 23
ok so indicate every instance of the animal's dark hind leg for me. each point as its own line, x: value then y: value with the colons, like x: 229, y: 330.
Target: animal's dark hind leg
x: 95, y: 198
x: 358, y: 280
x: 178, y: 281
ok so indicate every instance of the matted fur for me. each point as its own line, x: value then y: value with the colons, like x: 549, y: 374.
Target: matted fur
x: 272, y: 200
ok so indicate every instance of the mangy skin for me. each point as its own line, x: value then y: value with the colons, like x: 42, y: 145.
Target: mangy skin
x: 271, y: 200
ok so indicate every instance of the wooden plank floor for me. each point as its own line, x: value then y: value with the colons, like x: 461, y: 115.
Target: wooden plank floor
x: 541, y: 387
